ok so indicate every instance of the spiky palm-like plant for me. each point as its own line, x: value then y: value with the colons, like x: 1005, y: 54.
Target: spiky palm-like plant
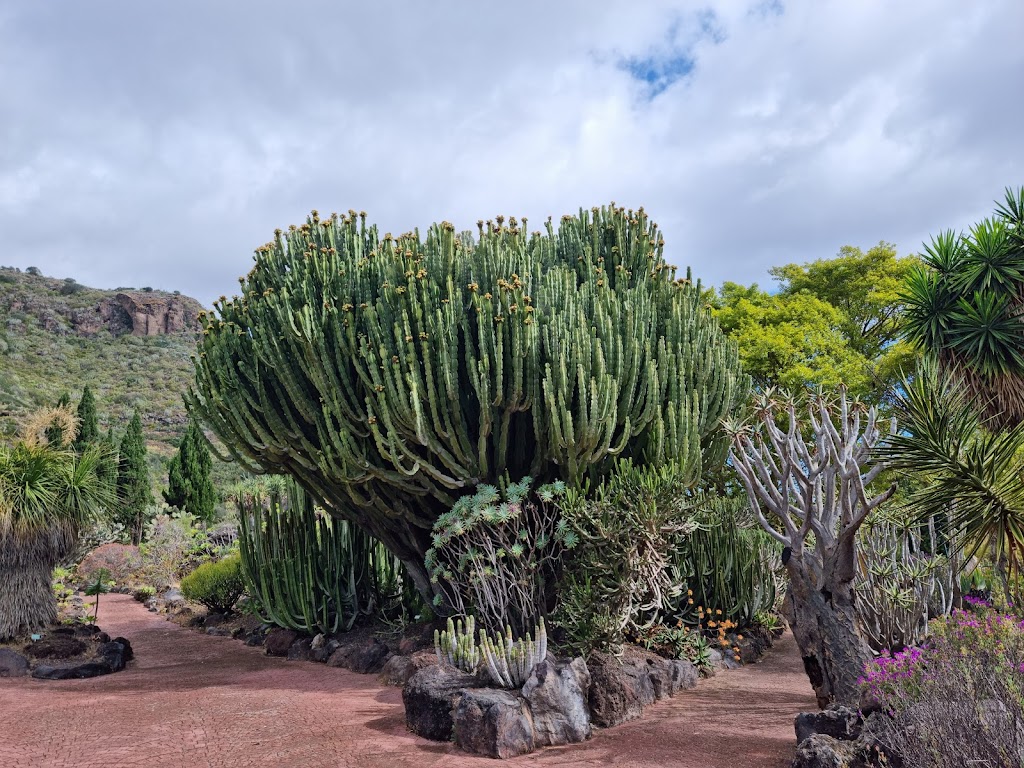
x: 974, y: 476
x: 47, y: 493
x: 965, y: 306
x: 392, y: 375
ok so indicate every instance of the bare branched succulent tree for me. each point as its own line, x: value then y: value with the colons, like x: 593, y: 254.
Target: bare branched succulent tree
x: 807, y: 483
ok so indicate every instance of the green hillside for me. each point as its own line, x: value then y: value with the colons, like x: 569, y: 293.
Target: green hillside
x: 132, y: 346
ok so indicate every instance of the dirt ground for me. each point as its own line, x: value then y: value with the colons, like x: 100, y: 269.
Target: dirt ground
x: 195, y: 700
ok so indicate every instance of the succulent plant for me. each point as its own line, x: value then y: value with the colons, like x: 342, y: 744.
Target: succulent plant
x: 509, y: 661
x: 391, y: 376
x: 457, y: 646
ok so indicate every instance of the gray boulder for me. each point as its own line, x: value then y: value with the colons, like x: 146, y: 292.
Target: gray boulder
x: 838, y: 722
x: 114, y: 654
x: 397, y: 670
x: 821, y: 751
x: 300, y: 650
x: 430, y: 696
x: 362, y: 657
x: 492, y: 722
x: 557, y: 695
x: 279, y: 640
x: 619, y: 689
x: 72, y: 671
x: 12, y: 664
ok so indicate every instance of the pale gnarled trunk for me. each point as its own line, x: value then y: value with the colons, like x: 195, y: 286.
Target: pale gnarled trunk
x: 824, y: 625
x: 808, y: 487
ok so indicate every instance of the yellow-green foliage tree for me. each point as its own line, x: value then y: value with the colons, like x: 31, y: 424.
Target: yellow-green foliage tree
x: 832, y: 321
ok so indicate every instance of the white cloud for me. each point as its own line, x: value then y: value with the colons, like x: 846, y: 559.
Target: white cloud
x: 159, y: 145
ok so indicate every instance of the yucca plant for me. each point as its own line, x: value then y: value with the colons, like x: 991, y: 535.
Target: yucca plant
x: 393, y: 375
x: 965, y: 306
x: 47, y: 494
x: 973, y: 475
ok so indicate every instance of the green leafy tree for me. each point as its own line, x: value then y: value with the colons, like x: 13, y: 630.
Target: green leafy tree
x: 133, y: 486
x: 48, y: 493
x: 965, y: 307
x: 189, y: 487
x: 88, y: 427
x: 391, y: 376
x: 790, y: 341
x: 832, y: 321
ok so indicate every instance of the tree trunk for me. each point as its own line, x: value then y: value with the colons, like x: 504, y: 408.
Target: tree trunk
x: 26, y: 597
x: 824, y: 626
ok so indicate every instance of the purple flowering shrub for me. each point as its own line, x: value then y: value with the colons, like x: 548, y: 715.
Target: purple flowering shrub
x: 958, y: 700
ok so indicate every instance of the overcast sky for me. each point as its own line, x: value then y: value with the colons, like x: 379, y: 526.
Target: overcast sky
x: 158, y: 144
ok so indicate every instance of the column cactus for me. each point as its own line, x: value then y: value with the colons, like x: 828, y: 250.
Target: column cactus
x: 392, y: 375
x: 306, y: 571
x: 457, y: 646
x: 510, y: 661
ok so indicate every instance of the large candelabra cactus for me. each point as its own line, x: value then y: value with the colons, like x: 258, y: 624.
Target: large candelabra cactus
x: 808, y: 482
x: 392, y: 375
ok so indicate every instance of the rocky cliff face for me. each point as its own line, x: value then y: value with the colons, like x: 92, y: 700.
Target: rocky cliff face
x: 62, y: 308
x: 152, y: 315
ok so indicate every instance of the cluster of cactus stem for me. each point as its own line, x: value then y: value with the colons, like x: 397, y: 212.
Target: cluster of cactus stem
x: 507, y: 660
x: 392, y: 375
x: 903, y: 581
x: 457, y: 646
x: 304, y: 570
x: 510, y: 661
x: 727, y: 564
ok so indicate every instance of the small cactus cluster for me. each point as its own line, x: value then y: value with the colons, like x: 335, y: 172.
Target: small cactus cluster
x: 510, y: 661
x: 457, y: 646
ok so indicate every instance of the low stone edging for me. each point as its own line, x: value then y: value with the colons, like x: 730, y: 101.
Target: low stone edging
x: 64, y: 654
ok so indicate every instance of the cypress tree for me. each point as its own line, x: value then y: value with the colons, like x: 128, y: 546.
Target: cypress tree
x: 88, y: 428
x: 54, y: 434
x: 133, y: 480
x: 189, y: 487
x: 108, y: 470
x: 176, y: 493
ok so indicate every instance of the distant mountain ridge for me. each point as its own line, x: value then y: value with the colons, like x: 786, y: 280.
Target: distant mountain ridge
x: 133, y: 346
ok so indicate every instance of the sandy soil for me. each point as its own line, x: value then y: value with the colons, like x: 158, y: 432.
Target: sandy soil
x: 195, y: 700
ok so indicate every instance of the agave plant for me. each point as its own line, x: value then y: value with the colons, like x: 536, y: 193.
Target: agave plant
x: 47, y: 494
x: 964, y: 305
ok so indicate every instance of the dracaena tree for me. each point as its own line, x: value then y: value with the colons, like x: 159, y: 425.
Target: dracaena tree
x: 965, y: 307
x: 391, y: 376
x: 48, y: 492
x: 807, y: 468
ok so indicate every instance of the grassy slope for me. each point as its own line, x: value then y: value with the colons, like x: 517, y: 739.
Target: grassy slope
x: 41, y: 357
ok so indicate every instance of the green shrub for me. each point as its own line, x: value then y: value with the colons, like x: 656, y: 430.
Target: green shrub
x: 216, y: 585
x: 143, y: 593
x: 620, y: 574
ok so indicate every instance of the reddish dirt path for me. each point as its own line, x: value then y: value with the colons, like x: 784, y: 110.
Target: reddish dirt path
x: 193, y: 700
